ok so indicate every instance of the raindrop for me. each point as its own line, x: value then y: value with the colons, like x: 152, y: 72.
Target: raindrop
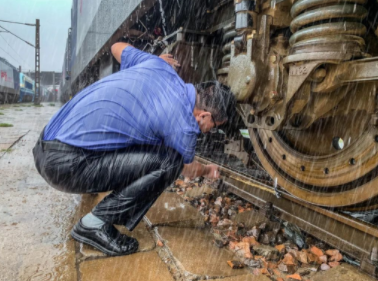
x: 162, y: 16
x: 273, y: 4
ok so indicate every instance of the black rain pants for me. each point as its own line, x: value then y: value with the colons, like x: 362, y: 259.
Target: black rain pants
x: 136, y: 175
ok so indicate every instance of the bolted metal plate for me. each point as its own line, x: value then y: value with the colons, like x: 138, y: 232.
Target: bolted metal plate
x: 242, y: 77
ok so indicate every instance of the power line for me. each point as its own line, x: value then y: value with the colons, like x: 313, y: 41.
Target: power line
x: 18, y: 37
x: 12, y: 50
x: 10, y: 55
x: 30, y: 24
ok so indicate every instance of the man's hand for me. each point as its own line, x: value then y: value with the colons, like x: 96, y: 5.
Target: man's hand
x: 196, y: 169
x: 213, y: 172
x: 171, y: 61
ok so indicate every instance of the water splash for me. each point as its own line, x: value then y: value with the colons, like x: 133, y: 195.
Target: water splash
x: 163, y: 17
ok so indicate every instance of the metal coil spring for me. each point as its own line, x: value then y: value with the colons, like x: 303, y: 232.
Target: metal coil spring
x: 322, y: 22
x: 229, y: 34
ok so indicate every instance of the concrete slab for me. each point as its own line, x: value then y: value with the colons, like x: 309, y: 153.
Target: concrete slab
x: 250, y: 218
x: 195, y: 251
x: 343, y: 272
x: 248, y: 277
x: 171, y: 209
x: 140, y: 266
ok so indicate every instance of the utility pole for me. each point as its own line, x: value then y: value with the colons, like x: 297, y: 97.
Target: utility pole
x: 37, y: 98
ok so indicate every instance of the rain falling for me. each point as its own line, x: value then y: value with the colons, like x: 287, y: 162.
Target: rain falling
x: 189, y: 140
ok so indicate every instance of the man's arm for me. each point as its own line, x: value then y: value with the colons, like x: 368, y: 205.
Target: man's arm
x: 196, y: 169
x: 117, y: 49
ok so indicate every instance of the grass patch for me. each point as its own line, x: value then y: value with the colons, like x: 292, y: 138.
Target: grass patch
x: 51, y: 104
x: 18, y: 109
x: 5, y: 125
x: 16, y: 106
x: 38, y: 105
x: 1, y: 113
x: 6, y: 150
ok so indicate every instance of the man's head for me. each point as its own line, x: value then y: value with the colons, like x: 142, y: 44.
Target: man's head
x: 215, y: 105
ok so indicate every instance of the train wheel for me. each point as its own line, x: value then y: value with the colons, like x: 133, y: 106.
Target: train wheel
x: 334, y: 163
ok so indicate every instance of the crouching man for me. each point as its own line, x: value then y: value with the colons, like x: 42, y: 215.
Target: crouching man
x: 131, y: 133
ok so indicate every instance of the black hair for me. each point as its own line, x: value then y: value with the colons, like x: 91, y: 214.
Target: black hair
x: 217, y: 99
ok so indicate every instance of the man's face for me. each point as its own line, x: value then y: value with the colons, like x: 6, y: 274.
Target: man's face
x: 206, y: 122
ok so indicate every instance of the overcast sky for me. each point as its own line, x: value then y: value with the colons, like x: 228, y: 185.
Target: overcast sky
x: 55, y: 19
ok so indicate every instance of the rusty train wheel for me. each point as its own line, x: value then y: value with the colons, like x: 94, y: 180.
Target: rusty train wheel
x: 308, y: 165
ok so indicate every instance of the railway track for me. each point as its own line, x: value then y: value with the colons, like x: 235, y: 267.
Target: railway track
x: 352, y: 236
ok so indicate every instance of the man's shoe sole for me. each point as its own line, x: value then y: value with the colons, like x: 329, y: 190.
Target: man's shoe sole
x: 82, y: 239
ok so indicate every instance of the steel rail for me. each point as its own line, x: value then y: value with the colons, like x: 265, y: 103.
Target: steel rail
x: 351, y: 236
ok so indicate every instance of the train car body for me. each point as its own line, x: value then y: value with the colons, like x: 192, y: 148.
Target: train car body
x: 27, y: 88
x: 9, y: 81
x: 304, y: 73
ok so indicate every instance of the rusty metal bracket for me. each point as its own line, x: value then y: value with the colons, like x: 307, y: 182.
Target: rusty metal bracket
x: 364, y: 70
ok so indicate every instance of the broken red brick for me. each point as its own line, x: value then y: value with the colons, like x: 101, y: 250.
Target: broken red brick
x: 232, y: 245
x: 179, y: 182
x: 333, y: 264
x: 323, y: 259
x: 294, y: 253
x: 160, y: 243
x: 235, y: 264
x: 280, y: 248
x: 251, y: 240
x: 332, y: 252
x: 302, y: 256
x: 337, y: 257
x: 294, y: 277
x: 241, y: 209
x: 246, y: 248
x: 289, y: 259
x: 316, y: 251
x: 264, y: 271
x: 312, y: 258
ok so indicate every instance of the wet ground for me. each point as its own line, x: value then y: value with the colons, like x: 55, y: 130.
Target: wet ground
x: 35, y: 221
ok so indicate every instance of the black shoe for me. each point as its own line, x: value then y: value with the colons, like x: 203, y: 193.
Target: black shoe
x: 107, y: 239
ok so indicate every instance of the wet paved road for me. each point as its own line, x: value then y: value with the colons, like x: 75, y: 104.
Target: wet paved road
x: 34, y: 218
x: 35, y: 221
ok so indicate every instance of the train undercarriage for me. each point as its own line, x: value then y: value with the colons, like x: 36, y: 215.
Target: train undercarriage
x: 305, y: 76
